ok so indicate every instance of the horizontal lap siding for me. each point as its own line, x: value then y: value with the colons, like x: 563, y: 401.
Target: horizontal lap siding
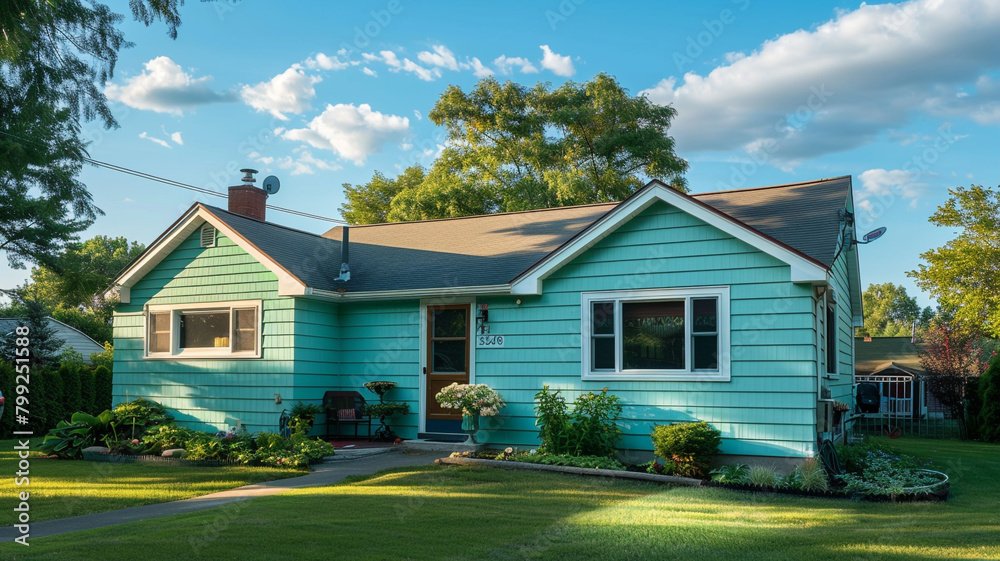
x: 841, y: 386
x: 210, y: 394
x: 381, y: 341
x: 768, y: 408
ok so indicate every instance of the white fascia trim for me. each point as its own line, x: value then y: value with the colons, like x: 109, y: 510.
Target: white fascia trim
x: 802, y: 269
x: 288, y: 285
x: 439, y: 294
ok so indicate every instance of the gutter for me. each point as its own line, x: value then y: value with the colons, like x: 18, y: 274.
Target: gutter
x: 443, y: 292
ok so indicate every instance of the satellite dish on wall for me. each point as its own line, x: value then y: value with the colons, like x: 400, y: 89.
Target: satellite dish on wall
x: 872, y: 236
x: 271, y: 184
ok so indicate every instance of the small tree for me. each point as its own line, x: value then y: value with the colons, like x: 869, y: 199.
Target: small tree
x: 42, y: 342
x: 989, y: 390
x: 951, y: 356
x: 71, y: 384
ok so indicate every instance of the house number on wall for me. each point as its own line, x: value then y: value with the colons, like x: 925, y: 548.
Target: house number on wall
x: 489, y: 341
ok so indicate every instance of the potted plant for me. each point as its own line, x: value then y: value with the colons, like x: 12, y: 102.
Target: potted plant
x: 303, y: 416
x: 383, y: 410
x: 474, y: 400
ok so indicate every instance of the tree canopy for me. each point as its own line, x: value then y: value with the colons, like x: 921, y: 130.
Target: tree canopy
x: 964, y: 274
x: 891, y: 312
x: 55, y: 58
x: 511, y: 148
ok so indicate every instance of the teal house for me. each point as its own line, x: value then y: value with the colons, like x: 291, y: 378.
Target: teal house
x: 733, y: 307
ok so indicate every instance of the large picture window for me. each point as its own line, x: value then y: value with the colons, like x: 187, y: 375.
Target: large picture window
x: 230, y: 329
x: 670, y: 334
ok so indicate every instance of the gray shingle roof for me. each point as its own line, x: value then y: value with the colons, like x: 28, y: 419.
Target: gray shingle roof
x: 880, y: 352
x: 494, y: 249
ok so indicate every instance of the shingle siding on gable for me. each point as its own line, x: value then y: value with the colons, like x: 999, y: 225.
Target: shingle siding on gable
x: 214, y: 393
x: 769, y: 406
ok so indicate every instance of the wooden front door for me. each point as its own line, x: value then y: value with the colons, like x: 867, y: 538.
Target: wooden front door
x: 448, y: 337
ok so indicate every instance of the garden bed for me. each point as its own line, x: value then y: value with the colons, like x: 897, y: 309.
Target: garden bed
x: 936, y: 494
x: 108, y: 457
x: 618, y: 474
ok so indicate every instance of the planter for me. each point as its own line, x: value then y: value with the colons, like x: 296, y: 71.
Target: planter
x: 470, y: 424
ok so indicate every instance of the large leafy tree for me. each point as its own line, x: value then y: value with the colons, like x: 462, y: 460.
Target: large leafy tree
x: 510, y: 148
x: 891, y: 312
x: 54, y: 60
x: 964, y: 274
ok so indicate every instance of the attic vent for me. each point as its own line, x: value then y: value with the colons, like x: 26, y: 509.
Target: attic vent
x: 208, y: 236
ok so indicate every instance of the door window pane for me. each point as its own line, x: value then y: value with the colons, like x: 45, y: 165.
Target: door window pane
x: 448, y: 356
x: 653, y: 335
x: 204, y: 330
x: 159, y: 332
x: 450, y: 323
x: 245, y: 330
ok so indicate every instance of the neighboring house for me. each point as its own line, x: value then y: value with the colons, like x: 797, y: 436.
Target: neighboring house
x: 71, y: 336
x: 734, y: 307
x: 893, y: 364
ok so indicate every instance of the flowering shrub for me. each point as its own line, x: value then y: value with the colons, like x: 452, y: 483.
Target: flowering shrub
x: 472, y: 399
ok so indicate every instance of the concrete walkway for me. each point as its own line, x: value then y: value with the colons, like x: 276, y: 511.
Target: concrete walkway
x: 326, y: 473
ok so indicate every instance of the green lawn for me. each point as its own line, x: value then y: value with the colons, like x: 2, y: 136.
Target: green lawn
x: 62, y: 488
x: 435, y: 512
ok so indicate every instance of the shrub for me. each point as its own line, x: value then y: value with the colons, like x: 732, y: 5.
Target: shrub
x: 70, y: 372
x: 68, y: 439
x: 106, y: 358
x: 886, y: 474
x: 730, y: 474
x: 167, y: 436
x: 853, y: 456
x: 762, y: 476
x: 7, y: 385
x: 811, y: 476
x: 134, y: 417
x: 87, y: 390
x: 103, y: 387
x: 55, y: 390
x: 989, y: 391
x: 591, y: 429
x: 690, y: 446
x: 302, y: 417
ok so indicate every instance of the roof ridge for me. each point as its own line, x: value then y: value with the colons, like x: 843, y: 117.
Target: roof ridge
x: 481, y: 215
x: 275, y: 224
x: 781, y: 186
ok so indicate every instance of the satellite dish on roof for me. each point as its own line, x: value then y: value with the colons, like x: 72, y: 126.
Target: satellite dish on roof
x: 271, y: 184
x: 872, y: 236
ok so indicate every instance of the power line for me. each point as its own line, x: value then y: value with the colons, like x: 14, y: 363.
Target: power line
x: 172, y: 183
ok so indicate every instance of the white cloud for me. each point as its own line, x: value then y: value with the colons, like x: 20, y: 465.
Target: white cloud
x: 175, y: 136
x: 324, y: 62
x: 418, y: 115
x: 159, y: 141
x: 288, y: 92
x: 882, y: 189
x: 352, y: 132
x: 370, y: 72
x: 164, y: 87
x: 560, y: 65
x: 479, y: 70
x: 843, y: 83
x: 441, y: 56
x: 304, y: 163
x: 257, y: 157
x: 406, y: 65
x: 506, y: 65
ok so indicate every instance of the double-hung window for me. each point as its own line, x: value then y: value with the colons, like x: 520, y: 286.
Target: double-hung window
x: 662, y: 334
x: 223, y: 330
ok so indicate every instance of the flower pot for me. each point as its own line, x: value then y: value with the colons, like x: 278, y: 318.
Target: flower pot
x: 470, y: 424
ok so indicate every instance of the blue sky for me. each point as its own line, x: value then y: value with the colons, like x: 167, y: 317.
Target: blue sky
x: 903, y: 97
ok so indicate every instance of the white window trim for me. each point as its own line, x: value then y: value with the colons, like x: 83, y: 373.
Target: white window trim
x: 176, y: 310
x: 828, y: 303
x: 687, y: 375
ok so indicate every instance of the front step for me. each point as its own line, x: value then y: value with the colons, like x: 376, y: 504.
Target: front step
x: 443, y: 437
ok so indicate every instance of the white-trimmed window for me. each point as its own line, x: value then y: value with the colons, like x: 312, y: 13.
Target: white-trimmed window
x: 660, y: 334
x: 222, y: 330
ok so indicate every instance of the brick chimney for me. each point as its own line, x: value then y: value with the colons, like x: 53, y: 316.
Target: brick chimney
x: 247, y: 200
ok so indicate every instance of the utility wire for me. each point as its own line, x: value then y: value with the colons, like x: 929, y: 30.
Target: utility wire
x: 171, y: 182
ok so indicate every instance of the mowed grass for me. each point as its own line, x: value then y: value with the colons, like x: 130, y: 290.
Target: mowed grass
x: 435, y: 512
x: 63, y: 488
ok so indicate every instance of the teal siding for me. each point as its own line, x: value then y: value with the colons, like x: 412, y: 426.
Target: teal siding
x: 768, y: 407
x: 381, y: 341
x: 213, y: 394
